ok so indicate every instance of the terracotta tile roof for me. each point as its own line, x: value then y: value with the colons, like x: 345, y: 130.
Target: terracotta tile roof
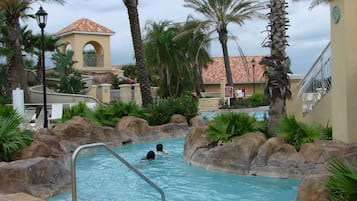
x: 216, y: 70
x: 84, y: 25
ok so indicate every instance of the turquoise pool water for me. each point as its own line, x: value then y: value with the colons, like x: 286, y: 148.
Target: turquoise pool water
x: 101, y: 177
x: 258, y: 114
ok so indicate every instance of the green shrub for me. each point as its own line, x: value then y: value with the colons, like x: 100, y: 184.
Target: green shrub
x: 256, y: 100
x: 297, y: 133
x: 71, y: 84
x: 160, y: 113
x: 262, y: 126
x: 227, y: 125
x: 342, y: 182
x: 81, y: 110
x: 70, y: 78
x: 12, y: 139
x: 104, y: 114
x: 110, y: 114
x: 327, y: 133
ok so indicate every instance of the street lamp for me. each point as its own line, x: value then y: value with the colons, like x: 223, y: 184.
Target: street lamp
x: 253, y: 66
x: 41, y: 17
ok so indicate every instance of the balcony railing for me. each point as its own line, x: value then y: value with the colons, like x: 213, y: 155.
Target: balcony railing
x: 317, y: 82
x: 93, y: 60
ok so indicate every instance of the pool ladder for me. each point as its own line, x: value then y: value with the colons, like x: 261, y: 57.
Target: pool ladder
x: 116, y: 155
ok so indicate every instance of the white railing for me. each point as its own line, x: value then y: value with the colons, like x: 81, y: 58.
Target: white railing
x: 317, y: 81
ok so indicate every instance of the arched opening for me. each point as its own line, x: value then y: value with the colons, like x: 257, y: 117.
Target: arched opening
x: 66, y: 47
x: 93, y: 55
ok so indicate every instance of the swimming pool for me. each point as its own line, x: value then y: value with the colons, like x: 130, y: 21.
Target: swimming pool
x: 259, y: 114
x: 101, y: 177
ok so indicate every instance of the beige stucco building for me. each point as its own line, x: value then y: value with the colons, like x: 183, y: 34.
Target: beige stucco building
x: 344, y: 69
x: 86, y: 33
x: 338, y: 107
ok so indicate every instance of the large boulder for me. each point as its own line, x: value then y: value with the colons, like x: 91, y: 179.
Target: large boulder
x: 267, y: 149
x: 312, y: 188
x: 235, y: 155
x: 135, y: 129
x: 40, y: 177
x: 198, y: 121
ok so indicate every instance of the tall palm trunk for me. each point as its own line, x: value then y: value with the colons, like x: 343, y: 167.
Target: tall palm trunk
x: 223, y: 38
x: 197, y: 80
x: 139, y: 51
x: 278, y: 83
x: 16, y: 69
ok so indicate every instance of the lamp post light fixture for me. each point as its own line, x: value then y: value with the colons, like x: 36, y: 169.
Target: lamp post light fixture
x: 41, y: 17
x: 253, y: 66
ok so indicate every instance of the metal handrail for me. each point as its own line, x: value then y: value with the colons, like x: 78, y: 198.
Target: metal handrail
x: 317, y: 82
x: 319, y: 74
x: 131, y: 167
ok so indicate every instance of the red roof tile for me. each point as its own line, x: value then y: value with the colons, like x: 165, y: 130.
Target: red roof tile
x: 86, y: 26
x: 240, y: 74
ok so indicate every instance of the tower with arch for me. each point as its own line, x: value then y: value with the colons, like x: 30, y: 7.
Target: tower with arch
x: 90, y: 43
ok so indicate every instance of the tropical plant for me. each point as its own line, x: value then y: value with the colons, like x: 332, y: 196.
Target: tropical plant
x: 327, y: 133
x: 342, y: 181
x: 110, y: 114
x: 219, y: 14
x: 13, y: 10
x: 169, y: 57
x: 143, y: 79
x: 70, y: 78
x: 12, y: 139
x: 228, y: 125
x: 197, y: 46
x: 161, y: 112
x: 81, y: 110
x: 277, y: 88
x: 298, y: 133
x: 315, y: 3
x: 130, y: 71
x: 32, y: 46
x: 255, y: 100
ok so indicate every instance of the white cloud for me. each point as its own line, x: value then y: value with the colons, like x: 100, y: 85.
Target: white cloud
x: 309, y: 30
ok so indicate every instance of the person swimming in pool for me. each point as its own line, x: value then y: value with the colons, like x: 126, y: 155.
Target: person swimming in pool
x: 149, y: 156
x: 160, y: 149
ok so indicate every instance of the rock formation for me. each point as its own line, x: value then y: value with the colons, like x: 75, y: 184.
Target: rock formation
x: 253, y: 154
x: 41, y: 169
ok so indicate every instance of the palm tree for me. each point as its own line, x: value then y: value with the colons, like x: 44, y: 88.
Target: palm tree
x: 170, y: 57
x: 32, y: 46
x: 219, y: 14
x: 132, y: 6
x: 315, y: 2
x: 197, y: 44
x: 278, y: 64
x: 13, y: 11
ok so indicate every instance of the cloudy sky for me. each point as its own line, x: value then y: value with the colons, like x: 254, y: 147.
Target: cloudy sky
x: 309, y: 30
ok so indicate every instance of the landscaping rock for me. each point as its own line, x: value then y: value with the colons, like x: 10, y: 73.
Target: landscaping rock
x: 198, y: 122
x: 266, y: 150
x: 252, y: 154
x: 39, y: 169
x: 19, y: 197
x: 178, y: 118
x: 40, y: 177
x: 234, y: 156
x: 312, y: 188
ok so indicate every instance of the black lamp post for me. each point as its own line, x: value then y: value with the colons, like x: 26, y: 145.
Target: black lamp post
x: 41, y: 17
x: 253, y: 66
